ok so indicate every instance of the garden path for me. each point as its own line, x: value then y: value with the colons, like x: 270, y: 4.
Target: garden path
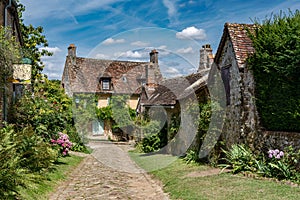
x: 108, y: 173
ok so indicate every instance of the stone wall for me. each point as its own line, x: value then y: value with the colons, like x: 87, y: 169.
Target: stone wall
x: 232, y: 123
x: 277, y: 140
x: 241, y: 118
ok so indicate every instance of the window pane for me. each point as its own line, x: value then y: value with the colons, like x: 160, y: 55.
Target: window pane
x: 105, y: 84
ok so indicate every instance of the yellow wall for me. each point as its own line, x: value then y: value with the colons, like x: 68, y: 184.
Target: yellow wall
x: 103, y: 101
x: 133, y: 102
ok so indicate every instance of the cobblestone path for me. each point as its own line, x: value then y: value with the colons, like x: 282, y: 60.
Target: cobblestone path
x: 108, y: 173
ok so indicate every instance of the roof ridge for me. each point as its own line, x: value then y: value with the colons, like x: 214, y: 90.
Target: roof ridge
x: 96, y: 59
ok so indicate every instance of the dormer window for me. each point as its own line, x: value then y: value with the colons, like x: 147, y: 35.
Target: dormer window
x: 106, y: 84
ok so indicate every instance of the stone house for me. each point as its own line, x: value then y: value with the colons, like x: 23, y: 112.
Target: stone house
x: 174, y: 96
x: 11, y: 86
x: 106, y: 78
x: 242, y: 124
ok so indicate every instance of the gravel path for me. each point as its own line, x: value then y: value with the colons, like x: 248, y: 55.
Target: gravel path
x: 109, y: 173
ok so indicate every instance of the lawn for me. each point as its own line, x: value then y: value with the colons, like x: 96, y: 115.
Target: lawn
x: 53, y: 178
x: 181, y: 182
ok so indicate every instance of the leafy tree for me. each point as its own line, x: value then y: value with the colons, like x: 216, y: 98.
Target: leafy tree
x: 276, y: 67
x: 34, y: 42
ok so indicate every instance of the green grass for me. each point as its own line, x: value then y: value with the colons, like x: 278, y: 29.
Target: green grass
x: 53, y: 178
x: 221, y: 186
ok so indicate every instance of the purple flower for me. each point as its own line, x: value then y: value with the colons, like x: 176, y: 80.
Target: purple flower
x: 270, y: 155
x: 281, y: 153
x: 278, y: 156
x: 276, y: 151
x: 270, y: 151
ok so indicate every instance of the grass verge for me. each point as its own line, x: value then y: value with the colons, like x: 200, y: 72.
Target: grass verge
x: 181, y: 181
x: 52, y: 179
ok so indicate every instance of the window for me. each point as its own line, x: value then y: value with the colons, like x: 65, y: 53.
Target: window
x: 106, y: 84
x: 225, y: 74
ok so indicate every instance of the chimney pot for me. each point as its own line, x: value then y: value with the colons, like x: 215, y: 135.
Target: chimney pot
x: 154, y: 56
x: 72, y: 50
x: 206, y: 57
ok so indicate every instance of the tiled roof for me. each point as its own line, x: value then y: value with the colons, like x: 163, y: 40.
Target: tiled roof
x: 242, y: 44
x: 171, y: 90
x: 84, y: 75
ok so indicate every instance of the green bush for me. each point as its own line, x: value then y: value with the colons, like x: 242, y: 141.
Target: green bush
x: 191, y: 157
x: 275, y: 65
x: 280, y: 164
x: 152, y: 137
x: 36, y: 154
x: 12, y: 173
x: 240, y: 159
x: 48, y: 112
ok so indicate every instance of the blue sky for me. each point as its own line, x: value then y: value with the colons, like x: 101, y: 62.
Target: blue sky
x: 128, y: 30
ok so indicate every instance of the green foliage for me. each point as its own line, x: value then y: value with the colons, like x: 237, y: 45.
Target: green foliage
x: 35, y: 43
x: 174, y: 126
x: 84, y: 113
x: 104, y: 113
x: 275, y: 65
x: 122, y: 114
x: 281, y: 165
x: 12, y: 173
x: 48, y: 111
x: 9, y: 55
x: 239, y: 159
x: 36, y: 154
x: 273, y: 164
x: 191, y: 157
x: 203, y: 113
x: 152, y: 137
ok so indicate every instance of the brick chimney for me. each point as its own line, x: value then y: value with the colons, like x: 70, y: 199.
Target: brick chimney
x: 206, y: 57
x: 72, y: 50
x: 154, y: 56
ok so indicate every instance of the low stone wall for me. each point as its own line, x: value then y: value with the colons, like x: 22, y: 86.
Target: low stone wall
x: 279, y: 140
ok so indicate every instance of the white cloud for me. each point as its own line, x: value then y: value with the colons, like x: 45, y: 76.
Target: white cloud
x: 110, y: 41
x: 140, y: 44
x: 51, y: 49
x: 171, y: 70
x: 102, y: 56
x: 185, y: 50
x: 163, y: 47
x: 171, y: 8
x: 129, y: 54
x: 191, y: 33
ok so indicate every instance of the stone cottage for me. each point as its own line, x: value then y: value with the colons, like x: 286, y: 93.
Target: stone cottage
x: 241, y: 118
x: 11, y: 87
x: 105, y: 78
x: 173, y: 99
x: 241, y: 123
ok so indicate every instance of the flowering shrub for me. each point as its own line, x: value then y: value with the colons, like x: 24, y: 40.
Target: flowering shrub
x: 275, y: 154
x: 277, y: 164
x: 63, y: 142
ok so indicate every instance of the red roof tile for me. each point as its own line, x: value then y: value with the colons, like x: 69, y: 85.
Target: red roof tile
x: 242, y: 44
